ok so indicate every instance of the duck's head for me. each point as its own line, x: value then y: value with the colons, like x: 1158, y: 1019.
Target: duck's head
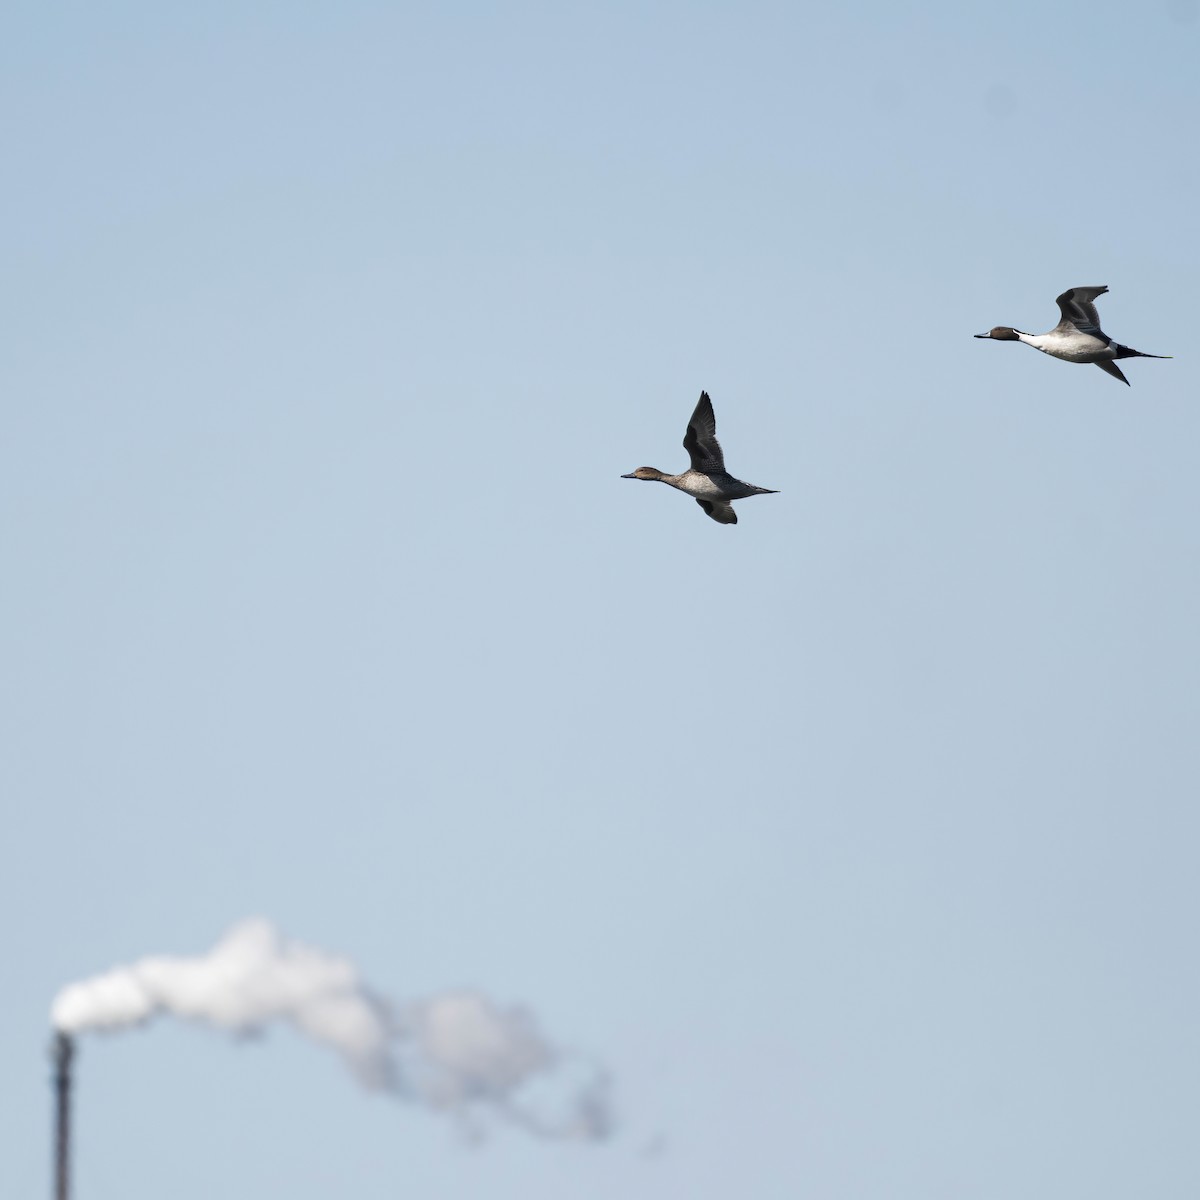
x: 644, y: 473
x: 1002, y: 333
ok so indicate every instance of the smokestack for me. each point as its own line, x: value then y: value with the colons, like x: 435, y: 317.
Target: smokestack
x: 62, y: 1050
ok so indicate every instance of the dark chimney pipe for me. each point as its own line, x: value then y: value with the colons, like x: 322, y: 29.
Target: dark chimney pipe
x: 62, y: 1050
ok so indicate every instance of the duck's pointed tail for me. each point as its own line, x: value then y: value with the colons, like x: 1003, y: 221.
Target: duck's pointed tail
x: 1130, y: 352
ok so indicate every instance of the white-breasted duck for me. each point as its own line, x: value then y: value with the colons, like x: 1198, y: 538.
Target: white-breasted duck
x: 706, y: 480
x: 1077, y: 337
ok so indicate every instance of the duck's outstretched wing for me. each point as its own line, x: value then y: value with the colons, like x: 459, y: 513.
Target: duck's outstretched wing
x: 719, y: 510
x: 1107, y: 365
x: 1078, y: 309
x: 700, y: 441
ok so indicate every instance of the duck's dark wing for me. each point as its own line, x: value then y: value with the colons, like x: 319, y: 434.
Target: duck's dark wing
x: 700, y: 441
x: 719, y: 510
x: 1109, y: 367
x: 1078, y: 309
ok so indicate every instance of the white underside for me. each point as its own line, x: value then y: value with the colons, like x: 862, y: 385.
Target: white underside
x: 701, y: 487
x: 1073, y: 347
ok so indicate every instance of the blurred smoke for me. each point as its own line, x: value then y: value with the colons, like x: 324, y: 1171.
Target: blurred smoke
x: 456, y: 1052
x: 251, y: 977
x: 461, y: 1050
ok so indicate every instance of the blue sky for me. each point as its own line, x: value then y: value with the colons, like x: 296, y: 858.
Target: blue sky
x: 857, y: 841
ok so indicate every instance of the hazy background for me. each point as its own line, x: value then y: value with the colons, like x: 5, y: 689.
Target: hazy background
x: 859, y: 842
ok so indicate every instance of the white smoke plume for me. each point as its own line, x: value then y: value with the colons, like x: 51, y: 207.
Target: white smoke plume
x: 251, y: 977
x: 456, y: 1052
x: 460, y: 1051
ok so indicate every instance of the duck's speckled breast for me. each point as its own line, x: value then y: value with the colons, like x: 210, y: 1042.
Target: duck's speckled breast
x: 700, y: 486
